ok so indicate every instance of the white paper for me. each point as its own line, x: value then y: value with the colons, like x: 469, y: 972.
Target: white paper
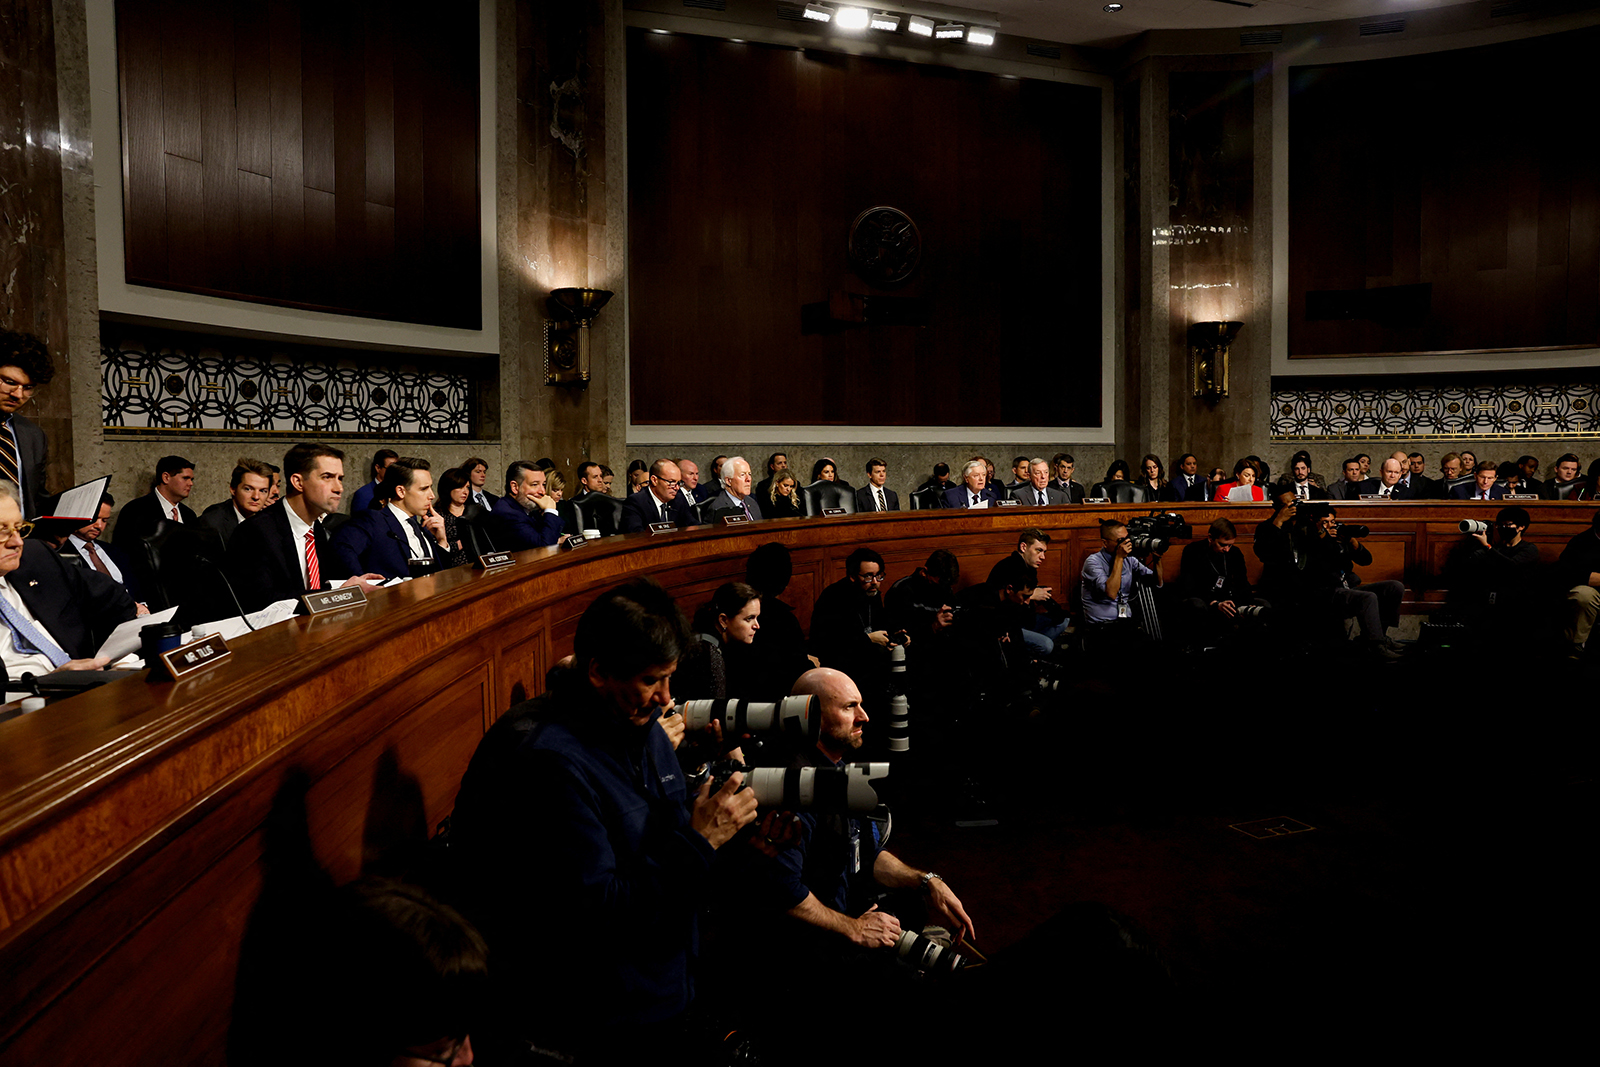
x: 392, y: 582
x: 81, y: 502
x: 234, y: 627
x: 124, y: 640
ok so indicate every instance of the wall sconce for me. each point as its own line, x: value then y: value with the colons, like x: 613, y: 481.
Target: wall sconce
x: 566, y: 334
x: 1208, y: 358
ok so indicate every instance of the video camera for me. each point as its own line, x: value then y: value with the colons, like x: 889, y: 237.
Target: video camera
x: 1156, y: 531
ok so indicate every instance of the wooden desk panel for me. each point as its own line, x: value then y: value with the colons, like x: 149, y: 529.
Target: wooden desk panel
x: 131, y: 818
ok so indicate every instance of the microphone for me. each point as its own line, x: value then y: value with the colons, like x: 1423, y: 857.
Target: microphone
x: 201, y: 557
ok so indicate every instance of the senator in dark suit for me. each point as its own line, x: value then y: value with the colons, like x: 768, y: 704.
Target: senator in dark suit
x: 867, y: 495
x: 961, y: 496
x: 1389, y: 482
x: 374, y: 540
x: 662, y: 492
x: 513, y: 525
x: 1474, y: 489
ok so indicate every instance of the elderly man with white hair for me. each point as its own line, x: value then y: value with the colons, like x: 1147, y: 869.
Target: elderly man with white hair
x: 735, y: 495
x: 976, y: 492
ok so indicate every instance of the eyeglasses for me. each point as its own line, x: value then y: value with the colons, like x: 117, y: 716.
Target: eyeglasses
x: 663, y: 483
x: 21, y: 529
x: 11, y: 385
x: 872, y: 579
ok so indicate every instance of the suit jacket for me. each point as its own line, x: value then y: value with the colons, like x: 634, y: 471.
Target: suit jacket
x: 641, y: 509
x: 1317, y: 492
x: 361, y: 499
x: 218, y: 523
x: 264, y: 561
x: 1469, y: 491
x: 724, y: 502
x: 77, y: 607
x: 139, y: 516
x: 1185, y: 491
x: 1424, y: 487
x: 957, y: 496
x: 513, y: 528
x: 33, y: 451
x: 1375, y: 485
x: 1028, y: 496
x: 865, y: 501
x: 130, y: 580
x: 472, y: 498
x: 374, y: 541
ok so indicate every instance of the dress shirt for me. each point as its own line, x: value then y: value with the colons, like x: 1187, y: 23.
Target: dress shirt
x: 169, y: 508
x: 18, y: 662
x: 1097, y: 605
x: 101, y: 554
x: 298, y: 527
x: 663, y: 509
x: 975, y: 500
x: 878, y: 498
x: 1041, y: 497
x: 414, y: 543
x: 481, y: 499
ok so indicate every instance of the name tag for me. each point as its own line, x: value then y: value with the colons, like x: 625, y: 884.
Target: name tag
x: 662, y: 527
x: 735, y: 520
x: 195, y: 656
x: 1006, y: 503
x: 1521, y: 496
x: 331, y: 599
x: 834, y: 511
x: 574, y: 540
x: 490, y: 560
x: 1373, y: 496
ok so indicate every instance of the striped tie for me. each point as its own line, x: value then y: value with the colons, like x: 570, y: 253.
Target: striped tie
x: 313, y: 572
x: 10, y: 468
x: 27, y: 638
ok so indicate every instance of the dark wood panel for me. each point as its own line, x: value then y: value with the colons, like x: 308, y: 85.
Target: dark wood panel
x: 747, y: 167
x: 219, y: 147
x: 252, y: 50
x: 186, y: 221
x: 1393, y: 182
x: 144, y: 173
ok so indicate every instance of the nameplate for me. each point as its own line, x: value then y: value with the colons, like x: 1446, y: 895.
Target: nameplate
x: 1373, y: 496
x: 196, y: 655
x: 834, y: 511
x: 1521, y: 496
x: 572, y: 541
x: 735, y: 520
x: 662, y: 527
x: 490, y: 560
x: 333, y: 599
x: 1106, y: 500
x: 1006, y: 503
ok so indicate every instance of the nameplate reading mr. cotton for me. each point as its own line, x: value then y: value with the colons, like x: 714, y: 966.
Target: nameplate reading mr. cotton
x: 490, y: 560
x: 332, y: 599
x: 196, y: 655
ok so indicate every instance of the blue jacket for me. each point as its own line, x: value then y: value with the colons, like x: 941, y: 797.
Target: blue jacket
x: 958, y: 495
x: 514, y: 528
x: 640, y: 510
x: 373, y: 542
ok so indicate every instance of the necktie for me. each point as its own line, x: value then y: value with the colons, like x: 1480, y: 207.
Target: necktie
x: 881, y: 505
x: 1305, y: 492
x: 745, y: 504
x: 974, y: 499
x: 416, y: 528
x: 9, y: 467
x: 313, y: 572
x: 664, y: 516
x: 27, y: 637
x: 1041, y: 498
x: 175, y: 514
x: 94, y: 558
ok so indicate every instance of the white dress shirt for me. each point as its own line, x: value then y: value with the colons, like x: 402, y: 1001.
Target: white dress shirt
x: 101, y: 554
x: 413, y: 542
x: 297, y: 531
x: 17, y: 662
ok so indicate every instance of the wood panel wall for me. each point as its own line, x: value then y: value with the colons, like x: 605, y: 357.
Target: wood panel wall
x: 1474, y: 172
x: 319, y: 155
x: 746, y: 167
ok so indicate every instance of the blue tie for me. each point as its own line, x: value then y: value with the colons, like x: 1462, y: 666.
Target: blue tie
x: 29, y: 638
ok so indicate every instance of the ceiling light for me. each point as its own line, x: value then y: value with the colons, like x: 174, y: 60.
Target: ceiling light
x: 1113, y: 8
x: 850, y: 18
x: 980, y: 35
x: 882, y: 20
x: 920, y: 26
x: 948, y: 31
x: 819, y: 13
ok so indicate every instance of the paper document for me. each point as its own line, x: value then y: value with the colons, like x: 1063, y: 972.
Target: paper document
x: 124, y: 640
x: 80, y: 502
x: 234, y: 627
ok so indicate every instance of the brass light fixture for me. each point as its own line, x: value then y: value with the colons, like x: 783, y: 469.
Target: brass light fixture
x: 1208, y: 358
x: 566, y: 334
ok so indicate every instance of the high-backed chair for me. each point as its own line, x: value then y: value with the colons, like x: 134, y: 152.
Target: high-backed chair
x: 819, y: 496
x: 597, y: 511
x: 923, y: 499
x: 1119, y: 492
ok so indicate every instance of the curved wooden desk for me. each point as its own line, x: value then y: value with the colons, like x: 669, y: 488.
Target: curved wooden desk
x: 131, y: 817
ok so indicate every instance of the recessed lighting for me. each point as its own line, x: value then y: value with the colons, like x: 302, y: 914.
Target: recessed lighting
x: 980, y: 35
x: 882, y: 20
x: 819, y: 13
x: 661, y: 31
x: 1113, y: 8
x: 850, y: 18
x: 920, y: 26
x: 946, y: 31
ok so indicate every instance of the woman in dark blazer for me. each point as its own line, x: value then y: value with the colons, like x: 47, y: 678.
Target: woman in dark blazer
x: 463, y: 520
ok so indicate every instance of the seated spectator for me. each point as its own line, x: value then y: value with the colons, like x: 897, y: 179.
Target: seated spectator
x: 1300, y: 482
x: 1422, y: 486
x: 525, y: 517
x: 638, y: 476
x: 732, y: 617
x: 463, y: 520
x: 782, y: 502
x: 1213, y: 585
x: 1063, y: 465
x: 1482, y: 486
x: 1591, y: 479
x: 362, y: 499
x: 874, y: 496
x: 607, y: 477
x: 1214, y: 479
x: 659, y: 501
x: 55, y: 615
x: 108, y: 560
x: 937, y: 483
x: 1528, y: 469
x: 403, y: 536
x: 1019, y: 473
x: 690, y: 471
x: 1187, y: 485
x: 713, y: 484
x: 975, y: 491
x: 776, y: 462
x: 476, y: 470
x: 1578, y: 572
x: 1153, y: 479
x: 1566, y: 485
x: 248, y: 489
x: 555, y: 485
x: 1348, y: 487
x: 824, y: 470
x: 1243, y: 489
x: 142, y: 516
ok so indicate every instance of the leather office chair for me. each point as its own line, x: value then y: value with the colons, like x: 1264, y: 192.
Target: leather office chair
x: 169, y: 557
x: 819, y: 496
x: 596, y: 511
x: 1119, y: 492
x: 923, y: 499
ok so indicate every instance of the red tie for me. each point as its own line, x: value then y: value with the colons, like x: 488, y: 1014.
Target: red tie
x: 313, y: 573
x: 94, y: 557
x: 175, y: 514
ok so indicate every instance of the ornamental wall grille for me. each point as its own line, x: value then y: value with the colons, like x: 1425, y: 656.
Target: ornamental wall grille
x: 1456, y: 411
x: 209, y: 386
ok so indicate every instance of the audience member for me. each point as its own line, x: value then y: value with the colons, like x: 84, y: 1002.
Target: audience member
x: 555, y: 485
x: 638, y: 476
x: 1153, y: 479
x: 1019, y: 473
x: 1591, y: 480
x: 477, y: 471
x: 782, y: 500
x: 874, y: 496
x: 1063, y: 465
x: 726, y: 625
x: 403, y: 535
x: 276, y: 493
x: 108, y: 560
x: 1422, y: 487
x: 464, y: 538
x: 526, y: 516
x: 363, y: 497
x: 976, y: 493
x: 1348, y: 487
x: 735, y: 495
x: 1566, y: 485
x: 248, y: 489
x: 591, y: 479
x: 1299, y: 481
x: 776, y: 462
x: 823, y: 470
x: 658, y: 501
x: 937, y: 483
x: 690, y: 471
x: 1243, y: 489
x: 607, y: 477
x: 25, y: 365
x: 141, y: 516
x: 1187, y: 485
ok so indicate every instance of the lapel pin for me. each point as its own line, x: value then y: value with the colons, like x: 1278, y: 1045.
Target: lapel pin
x: 32, y: 583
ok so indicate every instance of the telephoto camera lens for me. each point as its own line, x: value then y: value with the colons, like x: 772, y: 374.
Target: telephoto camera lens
x: 800, y: 717
x: 1473, y: 526
x: 853, y: 789
x: 927, y: 955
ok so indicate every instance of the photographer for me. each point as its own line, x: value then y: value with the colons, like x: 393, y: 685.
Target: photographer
x: 851, y: 631
x: 1492, y: 582
x: 1213, y: 586
x: 1330, y: 553
x: 1109, y: 578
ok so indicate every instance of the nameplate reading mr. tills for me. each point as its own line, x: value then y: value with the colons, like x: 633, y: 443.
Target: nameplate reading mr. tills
x: 735, y: 520
x: 332, y: 599
x: 196, y: 655
x: 662, y: 527
x: 833, y: 511
x: 490, y: 560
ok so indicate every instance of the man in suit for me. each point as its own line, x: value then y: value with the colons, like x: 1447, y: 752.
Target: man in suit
x: 404, y: 527
x: 1424, y: 487
x: 526, y: 517
x: 25, y: 364
x: 84, y: 544
x: 1482, y: 486
x: 1566, y: 484
x: 1299, y: 481
x: 477, y: 470
x: 53, y: 616
x: 248, y: 490
x: 1348, y: 486
x: 1528, y: 466
x: 1019, y: 474
x: 362, y: 500
x: 282, y: 552
x: 1387, y: 485
x: 776, y: 462
x: 1063, y: 464
x: 689, y: 471
x: 659, y: 501
x: 164, y: 503
x: 975, y: 492
x: 1187, y: 482
x: 874, y: 496
x: 735, y: 495
x: 1212, y: 584
x: 1038, y: 490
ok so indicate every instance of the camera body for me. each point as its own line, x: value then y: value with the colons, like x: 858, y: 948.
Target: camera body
x: 1156, y: 531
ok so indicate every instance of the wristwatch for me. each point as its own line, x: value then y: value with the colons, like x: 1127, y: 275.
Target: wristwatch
x: 922, y: 883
